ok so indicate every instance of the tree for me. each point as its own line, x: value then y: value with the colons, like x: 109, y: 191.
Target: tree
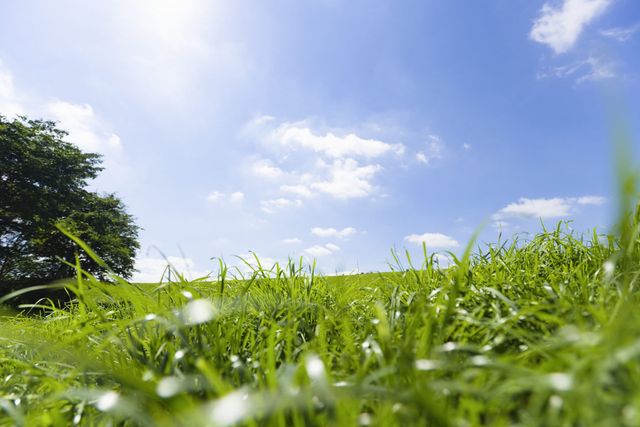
x: 42, y: 185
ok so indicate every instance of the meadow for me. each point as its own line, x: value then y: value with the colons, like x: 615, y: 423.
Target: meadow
x: 538, y: 330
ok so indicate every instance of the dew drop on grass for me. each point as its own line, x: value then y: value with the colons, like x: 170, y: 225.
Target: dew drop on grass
x: 107, y: 401
x: 315, y: 368
x: 230, y: 409
x: 560, y: 381
x: 555, y: 401
x: 168, y: 387
x: 364, y: 420
x: 200, y: 311
x: 480, y: 361
x: 427, y: 365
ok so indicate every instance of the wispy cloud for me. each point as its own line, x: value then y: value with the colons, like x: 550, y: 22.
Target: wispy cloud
x: 332, y: 232
x: 218, y: 197
x: 293, y: 240
x: 593, y: 68
x: 332, y: 247
x: 600, y: 70
x: 433, y: 151
x: 271, y: 206
x: 433, y: 240
x: 546, y: 208
x: 621, y: 34
x: 560, y: 27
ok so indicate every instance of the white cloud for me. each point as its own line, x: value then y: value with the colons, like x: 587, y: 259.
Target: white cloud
x: 317, y: 251
x: 591, y: 200
x: 466, y: 146
x: 332, y: 232
x: 262, y: 120
x: 560, y: 27
x: 621, y: 34
x: 347, y: 179
x: 332, y: 247
x: 600, y: 70
x: 537, y: 208
x: 434, y: 150
x: 150, y: 269
x: 547, y: 208
x: 433, y: 240
x: 9, y: 103
x: 299, y: 190
x: 270, y: 206
x: 85, y: 129
x: 265, y: 169
x: 217, y: 196
x: 294, y: 240
x: 236, y: 197
x: 332, y: 145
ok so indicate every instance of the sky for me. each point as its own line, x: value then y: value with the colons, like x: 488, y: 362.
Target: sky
x: 332, y: 130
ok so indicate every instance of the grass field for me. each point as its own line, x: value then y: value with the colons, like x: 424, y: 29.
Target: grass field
x: 542, y: 331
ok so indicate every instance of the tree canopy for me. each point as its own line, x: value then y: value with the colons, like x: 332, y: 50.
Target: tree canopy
x: 42, y: 185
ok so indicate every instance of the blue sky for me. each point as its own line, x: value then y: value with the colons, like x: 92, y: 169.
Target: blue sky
x: 331, y: 129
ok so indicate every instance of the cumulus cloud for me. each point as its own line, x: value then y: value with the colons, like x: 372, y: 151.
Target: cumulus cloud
x: 236, y: 197
x: 621, y: 34
x: 347, y: 179
x: 433, y: 240
x: 85, y: 129
x: 264, y: 168
x: 332, y: 247
x: 271, y: 206
x: 317, y: 251
x: 332, y: 232
x: 293, y: 240
x: 150, y: 270
x: 560, y: 27
x: 10, y: 106
x: 546, y: 208
x: 332, y: 145
x: 298, y: 190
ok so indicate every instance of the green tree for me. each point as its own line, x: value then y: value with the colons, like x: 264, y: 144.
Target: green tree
x: 42, y: 184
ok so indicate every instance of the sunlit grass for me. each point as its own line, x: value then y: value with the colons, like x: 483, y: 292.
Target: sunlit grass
x: 538, y: 331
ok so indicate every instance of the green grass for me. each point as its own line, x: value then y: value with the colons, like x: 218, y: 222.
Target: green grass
x: 537, y: 332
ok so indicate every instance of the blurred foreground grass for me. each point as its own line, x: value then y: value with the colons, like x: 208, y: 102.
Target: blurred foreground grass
x: 542, y: 331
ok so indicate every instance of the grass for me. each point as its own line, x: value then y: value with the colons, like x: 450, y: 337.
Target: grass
x: 542, y: 331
